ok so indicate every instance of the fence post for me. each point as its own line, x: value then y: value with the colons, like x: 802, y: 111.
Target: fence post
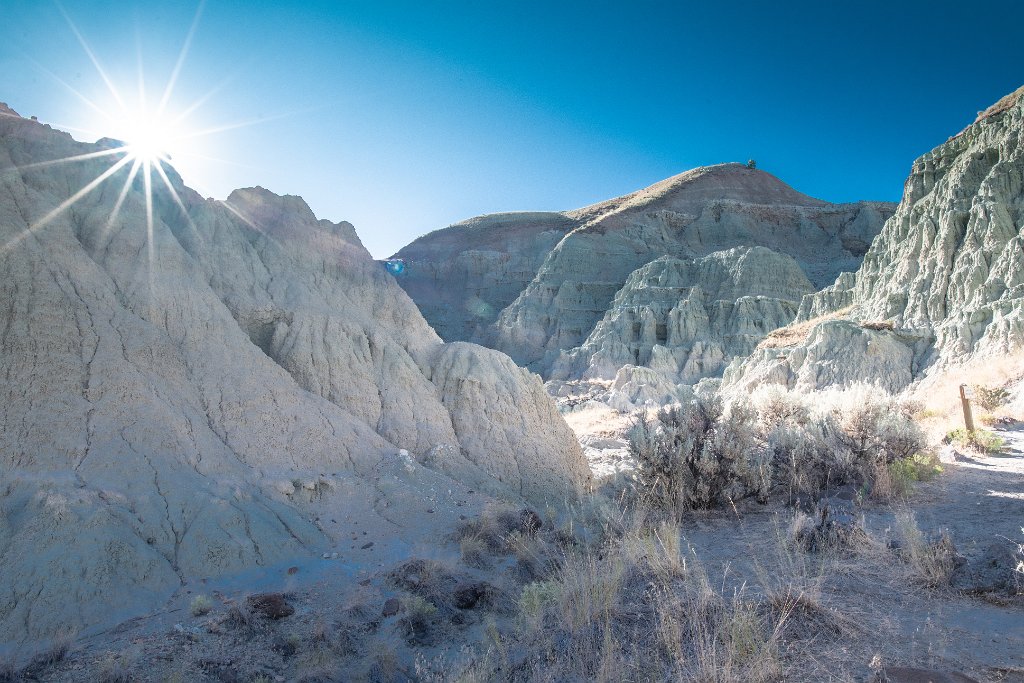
x: 966, y: 394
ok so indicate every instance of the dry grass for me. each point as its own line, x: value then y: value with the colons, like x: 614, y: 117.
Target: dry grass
x: 597, y: 418
x: 645, y: 607
x: 200, y: 605
x: 797, y: 333
x: 1004, y: 104
x: 939, y: 393
x: 932, y: 561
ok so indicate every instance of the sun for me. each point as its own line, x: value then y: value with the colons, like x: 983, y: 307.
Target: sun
x: 149, y: 137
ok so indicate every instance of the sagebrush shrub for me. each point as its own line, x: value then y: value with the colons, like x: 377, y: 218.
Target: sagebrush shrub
x: 697, y: 455
x: 835, y: 437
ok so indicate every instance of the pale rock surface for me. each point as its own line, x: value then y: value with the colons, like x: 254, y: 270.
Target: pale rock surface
x: 837, y: 353
x: 179, y: 402
x: 582, y: 258
x: 947, y: 270
x: 685, y: 319
x: 638, y: 387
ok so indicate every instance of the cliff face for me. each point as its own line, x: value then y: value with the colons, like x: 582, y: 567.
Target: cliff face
x: 686, y: 318
x: 947, y: 270
x: 463, y: 276
x: 179, y: 398
x: 595, y: 250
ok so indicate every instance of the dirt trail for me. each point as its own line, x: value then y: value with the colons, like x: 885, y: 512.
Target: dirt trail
x: 978, y: 499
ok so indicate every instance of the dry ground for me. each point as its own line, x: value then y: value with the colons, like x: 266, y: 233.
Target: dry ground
x: 881, y: 611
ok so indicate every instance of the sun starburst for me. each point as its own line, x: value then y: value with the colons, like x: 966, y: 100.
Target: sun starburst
x: 147, y: 133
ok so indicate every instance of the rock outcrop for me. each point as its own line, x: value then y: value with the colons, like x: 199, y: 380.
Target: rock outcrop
x: 581, y: 259
x: 183, y: 386
x: 686, y: 318
x: 946, y: 274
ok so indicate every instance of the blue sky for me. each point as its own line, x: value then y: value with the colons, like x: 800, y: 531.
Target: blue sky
x: 404, y: 117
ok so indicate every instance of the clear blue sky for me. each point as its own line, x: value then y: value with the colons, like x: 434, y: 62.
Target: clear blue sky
x: 403, y: 117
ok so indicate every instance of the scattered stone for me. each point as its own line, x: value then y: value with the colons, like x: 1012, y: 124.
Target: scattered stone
x: 293, y: 570
x: 270, y: 605
x: 469, y: 594
x: 992, y: 570
x: 391, y: 607
x: 366, y: 546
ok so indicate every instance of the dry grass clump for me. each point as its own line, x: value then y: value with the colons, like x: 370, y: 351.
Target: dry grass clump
x: 878, y: 325
x: 493, y: 529
x: 643, y: 607
x: 428, y: 580
x: 55, y: 653
x: 115, y: 670
x: 200, y: 605
x: 933, y: 560
x: 797, y: 333
x: 8, y: 670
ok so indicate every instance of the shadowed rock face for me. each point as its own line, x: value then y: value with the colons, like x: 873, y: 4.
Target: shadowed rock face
x: 947, y: 270
x: 535, y: 285
x: 176, y: 402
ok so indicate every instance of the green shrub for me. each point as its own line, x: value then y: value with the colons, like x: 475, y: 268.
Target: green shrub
x: 920, y: 467
x: 980, y: 439
x: 990, y: 398
x: 200, y: 605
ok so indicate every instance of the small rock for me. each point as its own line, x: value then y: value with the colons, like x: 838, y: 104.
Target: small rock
x: 367, y: 545
x: 326, y: 556
x: 994, y: 569
x: 469, y: 594
x: 293, y: 570
x: 391, y: 607
x: 270, y: 605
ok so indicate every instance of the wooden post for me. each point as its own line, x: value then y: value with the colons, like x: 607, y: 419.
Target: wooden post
x: 966, y: 394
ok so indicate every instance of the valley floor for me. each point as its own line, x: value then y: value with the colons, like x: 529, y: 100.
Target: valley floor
x: 872, y: 607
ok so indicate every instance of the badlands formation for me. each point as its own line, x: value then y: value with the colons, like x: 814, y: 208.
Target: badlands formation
x: 942, y: 284
x: 189, y: 400
x: 582, y: 293
x: 234, y: 397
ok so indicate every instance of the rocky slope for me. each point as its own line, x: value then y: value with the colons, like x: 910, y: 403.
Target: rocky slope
x: 581, y: 259
x: 946, y: 273
x: 185, y: 399
x: 686, y: 318
x: 464, y: 275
